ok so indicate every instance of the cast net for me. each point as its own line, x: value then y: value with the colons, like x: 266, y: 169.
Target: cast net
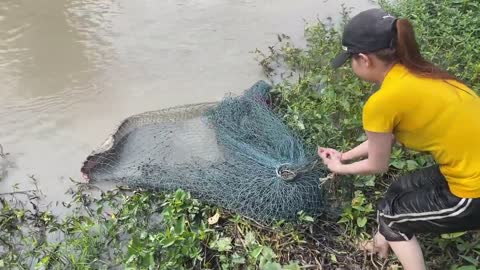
x: 236, y: 154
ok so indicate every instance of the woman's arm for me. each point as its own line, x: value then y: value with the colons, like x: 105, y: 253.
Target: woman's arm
x: 360, y: 151
x: 379, y: 149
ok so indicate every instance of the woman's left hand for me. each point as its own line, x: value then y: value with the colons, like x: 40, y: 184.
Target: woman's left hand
x: 328, y: 152
x: 332, y: 162
x: 331, y: 158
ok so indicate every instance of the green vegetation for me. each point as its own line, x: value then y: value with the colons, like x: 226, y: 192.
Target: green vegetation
x: 142, y: 230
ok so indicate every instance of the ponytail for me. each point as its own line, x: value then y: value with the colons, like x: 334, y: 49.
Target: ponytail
x: 408, y: 54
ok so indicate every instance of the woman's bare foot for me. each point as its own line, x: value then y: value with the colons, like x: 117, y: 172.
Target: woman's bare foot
x: 378, y: 245
x: 382, y: 245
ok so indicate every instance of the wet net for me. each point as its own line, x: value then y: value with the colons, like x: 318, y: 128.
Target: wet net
x: 236, y: 154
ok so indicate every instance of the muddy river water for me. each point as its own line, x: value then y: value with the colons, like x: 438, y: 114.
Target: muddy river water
x: 72, y: 70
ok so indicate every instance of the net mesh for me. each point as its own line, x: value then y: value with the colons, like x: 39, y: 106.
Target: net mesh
x: 236, y: 154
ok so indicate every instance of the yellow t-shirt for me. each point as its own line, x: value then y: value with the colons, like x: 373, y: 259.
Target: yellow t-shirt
x: 435, y: 116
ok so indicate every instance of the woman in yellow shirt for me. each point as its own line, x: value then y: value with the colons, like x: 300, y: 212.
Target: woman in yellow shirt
x: 426, y: 109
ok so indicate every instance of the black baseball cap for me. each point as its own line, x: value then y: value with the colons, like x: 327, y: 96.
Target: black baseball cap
x: 369, y: 31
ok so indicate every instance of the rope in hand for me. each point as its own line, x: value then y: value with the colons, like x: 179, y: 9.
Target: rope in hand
x: 323, y: 180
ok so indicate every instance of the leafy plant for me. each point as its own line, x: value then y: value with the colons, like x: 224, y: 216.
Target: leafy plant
x: 355, y: 216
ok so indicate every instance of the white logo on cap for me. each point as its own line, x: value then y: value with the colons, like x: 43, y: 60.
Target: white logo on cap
x: 388, y: 16
x: 344, y: 48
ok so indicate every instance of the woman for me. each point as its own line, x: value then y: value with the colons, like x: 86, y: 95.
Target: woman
x: 426, y: 109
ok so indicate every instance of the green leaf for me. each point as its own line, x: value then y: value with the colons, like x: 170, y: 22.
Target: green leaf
x: 469, y: 267
x: 292, y: 266
x: 42, y: 262
x: 470, y: 260
x: 268, y: 253
x: 250, y: 239
x: 370, y: 181
x: 301, y: 126
x: 180, y: 195
x: 462, y: 246
x: 151, y: 260
x: 452, y: 235
x: 256, y: 252
x: 307, y: 218
x: 224, y: 244
x: 180, y: 225
x: 361, y: 221
x: 271, y: 266
x: 237, y: 259
x: 399, y: 164
x: 343, y: 220
x: 412, y: 165
x: 358, y: 207
x: 168, y: 242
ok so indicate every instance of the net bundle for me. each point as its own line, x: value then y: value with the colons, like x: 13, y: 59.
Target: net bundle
x: 236, y: 154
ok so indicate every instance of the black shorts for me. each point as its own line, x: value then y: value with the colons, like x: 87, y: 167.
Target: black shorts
x: 421, y: 202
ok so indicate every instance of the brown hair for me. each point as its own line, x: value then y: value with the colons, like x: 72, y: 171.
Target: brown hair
x: 407, y: 53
